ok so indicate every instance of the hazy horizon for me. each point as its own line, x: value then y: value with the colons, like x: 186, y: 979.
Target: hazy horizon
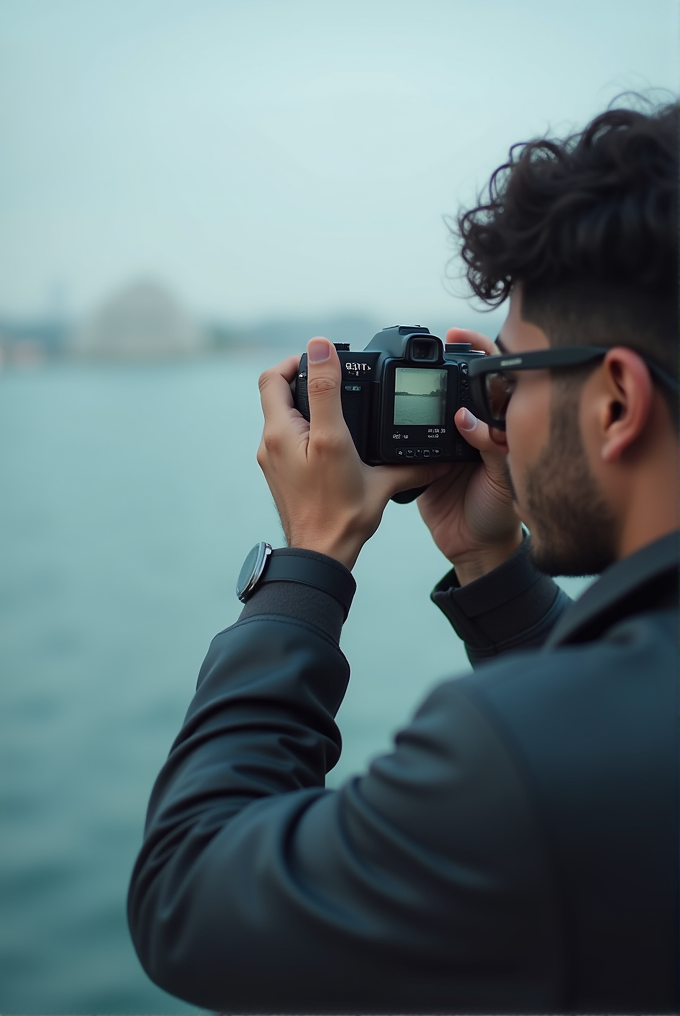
x: 285, y: 159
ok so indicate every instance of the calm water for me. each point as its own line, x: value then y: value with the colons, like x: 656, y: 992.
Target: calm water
x: 419, y: 409
x: 129, y: 498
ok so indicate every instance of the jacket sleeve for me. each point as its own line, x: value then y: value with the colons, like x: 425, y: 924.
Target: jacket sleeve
x: 513, y: 607
x: 421, y: 886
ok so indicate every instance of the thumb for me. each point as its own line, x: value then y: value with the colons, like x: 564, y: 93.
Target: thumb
x: 475, y: 432
x: 490, y: 444
x: 324, y: 377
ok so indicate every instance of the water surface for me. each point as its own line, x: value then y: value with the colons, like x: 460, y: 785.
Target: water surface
x: 129, y: 497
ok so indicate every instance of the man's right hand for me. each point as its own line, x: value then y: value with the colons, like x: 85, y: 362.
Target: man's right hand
x: 328, y: 499
x: 470, y: 511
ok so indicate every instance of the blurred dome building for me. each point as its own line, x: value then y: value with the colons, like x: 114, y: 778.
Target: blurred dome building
x: 143, y: 321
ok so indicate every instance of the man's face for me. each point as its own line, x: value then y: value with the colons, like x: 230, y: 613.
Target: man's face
x: 556, y: 493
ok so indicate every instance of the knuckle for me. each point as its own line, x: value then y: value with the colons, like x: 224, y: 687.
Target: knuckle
x: 271, y: 442
x: 265, y: 379
x: 328, y: 442
x: 322, y: 387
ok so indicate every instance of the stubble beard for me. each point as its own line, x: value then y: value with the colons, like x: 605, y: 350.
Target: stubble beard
x: 573, y: 529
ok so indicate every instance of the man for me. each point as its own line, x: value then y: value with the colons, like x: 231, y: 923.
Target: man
x: 517, y: 852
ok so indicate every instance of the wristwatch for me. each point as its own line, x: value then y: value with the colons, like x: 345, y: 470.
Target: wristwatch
x: 295, y: 565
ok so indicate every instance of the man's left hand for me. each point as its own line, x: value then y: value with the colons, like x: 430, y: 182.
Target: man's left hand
x: 328, y: 499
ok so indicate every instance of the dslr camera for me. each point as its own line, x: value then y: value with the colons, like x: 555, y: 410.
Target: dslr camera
x: 400, y: 394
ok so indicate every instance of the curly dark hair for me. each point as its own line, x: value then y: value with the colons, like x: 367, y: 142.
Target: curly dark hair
x: 589, y: 226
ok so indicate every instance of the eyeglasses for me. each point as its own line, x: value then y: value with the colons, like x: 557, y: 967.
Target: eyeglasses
x: 491, y: 388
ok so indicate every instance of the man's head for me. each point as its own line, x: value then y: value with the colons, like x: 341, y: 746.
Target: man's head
x: 583, y: 234
x: 589, y: 226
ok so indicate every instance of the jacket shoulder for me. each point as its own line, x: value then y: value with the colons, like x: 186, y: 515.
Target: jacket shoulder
x: 593, y: 728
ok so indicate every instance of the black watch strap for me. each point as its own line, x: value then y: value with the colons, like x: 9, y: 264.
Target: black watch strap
x: 293, y: 564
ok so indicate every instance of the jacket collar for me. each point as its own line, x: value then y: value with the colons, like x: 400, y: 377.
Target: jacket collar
x: 617, y: 588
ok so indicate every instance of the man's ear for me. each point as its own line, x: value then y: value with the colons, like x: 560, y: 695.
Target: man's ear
x: 625, y: 401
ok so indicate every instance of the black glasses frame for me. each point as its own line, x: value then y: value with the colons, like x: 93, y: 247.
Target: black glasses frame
x: 482, y: 369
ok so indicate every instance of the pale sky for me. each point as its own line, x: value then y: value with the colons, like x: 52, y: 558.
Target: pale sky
x: 418, y: 382
x: 289, y: 157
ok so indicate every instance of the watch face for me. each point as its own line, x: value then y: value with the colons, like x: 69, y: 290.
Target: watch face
x: 252, y: 569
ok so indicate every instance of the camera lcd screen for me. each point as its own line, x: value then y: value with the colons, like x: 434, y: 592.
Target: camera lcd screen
x: 419, y: 397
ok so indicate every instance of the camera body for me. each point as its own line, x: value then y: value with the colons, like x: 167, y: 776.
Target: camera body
x: 399, y: 396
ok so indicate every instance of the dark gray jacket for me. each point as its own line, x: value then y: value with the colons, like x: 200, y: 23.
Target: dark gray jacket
x: 517, y: 852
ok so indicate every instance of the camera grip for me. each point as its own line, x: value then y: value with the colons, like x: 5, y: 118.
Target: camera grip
x: 298, y: 387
